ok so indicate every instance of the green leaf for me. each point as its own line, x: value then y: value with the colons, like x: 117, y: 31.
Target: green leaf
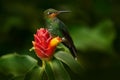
x: 16, y: 65
x: 69, y: 61
x: 58, y: 70
x: 18, y: 78
x: 49, y: 71
x: 35, y: 74
x: 100, y: 37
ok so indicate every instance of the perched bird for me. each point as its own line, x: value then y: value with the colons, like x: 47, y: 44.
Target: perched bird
x: 57, y: 28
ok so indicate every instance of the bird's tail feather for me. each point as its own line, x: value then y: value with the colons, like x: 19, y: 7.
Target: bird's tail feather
x: 73, y: 51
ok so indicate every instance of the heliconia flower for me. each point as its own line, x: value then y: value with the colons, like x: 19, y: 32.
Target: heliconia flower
x: 44, y: 44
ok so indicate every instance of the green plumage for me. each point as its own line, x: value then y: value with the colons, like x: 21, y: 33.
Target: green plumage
x: 53, y: 27
x: 58, y: 28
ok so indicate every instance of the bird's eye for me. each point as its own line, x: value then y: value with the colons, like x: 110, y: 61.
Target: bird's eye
x: 49, y: 13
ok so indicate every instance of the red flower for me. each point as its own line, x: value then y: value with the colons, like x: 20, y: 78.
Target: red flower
x: 45, y: 44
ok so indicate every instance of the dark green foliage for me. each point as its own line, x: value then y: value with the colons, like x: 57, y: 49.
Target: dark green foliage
x: 23, y: 67
x: 16, y: 66
x: 93, y: 24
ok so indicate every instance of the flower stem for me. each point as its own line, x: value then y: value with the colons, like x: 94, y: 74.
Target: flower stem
x: 31, y: 49
x: 43, y: 64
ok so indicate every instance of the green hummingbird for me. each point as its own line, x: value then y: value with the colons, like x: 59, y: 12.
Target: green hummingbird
x: 57, y: 28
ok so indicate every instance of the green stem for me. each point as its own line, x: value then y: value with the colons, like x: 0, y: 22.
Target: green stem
x: 31, y: 49
x: 43, y: 64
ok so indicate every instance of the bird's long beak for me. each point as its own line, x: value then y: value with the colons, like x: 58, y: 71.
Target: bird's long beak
x: 57, y: 13
x: 63, y: 12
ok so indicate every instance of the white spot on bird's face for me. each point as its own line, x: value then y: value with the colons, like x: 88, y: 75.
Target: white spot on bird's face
x: 48, y: 13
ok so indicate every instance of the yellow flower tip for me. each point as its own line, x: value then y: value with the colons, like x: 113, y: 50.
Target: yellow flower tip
x: 33, y: 42
x: 55, y: 41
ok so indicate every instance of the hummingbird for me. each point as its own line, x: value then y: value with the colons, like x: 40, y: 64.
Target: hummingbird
x: 57, y: 28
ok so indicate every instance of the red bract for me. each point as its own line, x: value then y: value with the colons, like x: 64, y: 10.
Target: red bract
x: 44, y: 44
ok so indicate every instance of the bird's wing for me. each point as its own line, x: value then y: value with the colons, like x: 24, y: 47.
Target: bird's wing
x: 68, y: 40
x: 65, y: 32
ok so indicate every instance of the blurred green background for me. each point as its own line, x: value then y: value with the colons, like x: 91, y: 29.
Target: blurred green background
x: 93, y: 25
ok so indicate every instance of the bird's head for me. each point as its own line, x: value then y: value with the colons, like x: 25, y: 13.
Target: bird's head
x: 52, y: 13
